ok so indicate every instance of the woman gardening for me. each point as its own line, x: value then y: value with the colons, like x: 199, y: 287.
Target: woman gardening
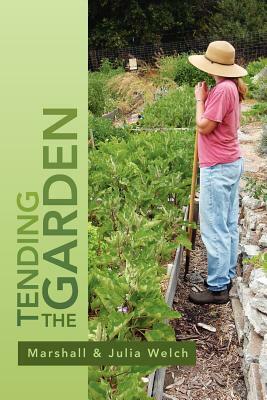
x: 221, y: 166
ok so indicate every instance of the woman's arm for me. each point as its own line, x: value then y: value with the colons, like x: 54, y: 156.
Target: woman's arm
x: 204, y: 125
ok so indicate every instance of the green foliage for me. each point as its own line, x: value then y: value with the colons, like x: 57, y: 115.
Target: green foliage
x: 258, y: 112
x: 257, y: 90
x: 136, y: 193
x: 116, y: 24
x: 100, y: 98
x: 96, y: 96
x: 107, y: 68
x: 103, y: 129
x: 256, y: 188
x: 156, y: 22
x: 117, y: 383
x: 258, y: 261
x: 181, y: 71
x: 254, y: 67
x: 92, y: 243
x: 238, y: 18
x: 176, y: 109
x: 260, y: 91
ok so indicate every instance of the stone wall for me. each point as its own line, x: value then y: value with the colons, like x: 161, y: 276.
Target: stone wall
x: 249, y: 298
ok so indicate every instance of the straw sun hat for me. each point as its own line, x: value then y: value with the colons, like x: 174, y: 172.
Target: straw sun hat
x: 219, y: 60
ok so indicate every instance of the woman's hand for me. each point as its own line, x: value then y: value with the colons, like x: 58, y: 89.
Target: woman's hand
x: 204, y: 125
x: 201, y: 91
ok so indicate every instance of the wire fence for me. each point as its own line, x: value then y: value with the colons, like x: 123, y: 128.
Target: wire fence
x: 248, y: 47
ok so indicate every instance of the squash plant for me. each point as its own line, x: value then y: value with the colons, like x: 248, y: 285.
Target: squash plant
x: 136, y: 193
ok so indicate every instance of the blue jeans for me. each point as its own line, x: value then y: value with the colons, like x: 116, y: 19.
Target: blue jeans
x: 218, y: 211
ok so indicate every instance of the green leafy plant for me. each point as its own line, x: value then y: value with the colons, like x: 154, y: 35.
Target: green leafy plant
x: 100, y: 98
x: 256, y: 89
x: 117, y: 383
x: 96, y: 97
x: 254, y: 67
x: 92, y: 243
x: 135, y: 198
x: 260, y: 92
x: 258, y: 112
x: 103, y: 130
x: 258, y: 261
x: 175, y: 109
x: 237, y: 19
x: 179, y: 69
x: 256, y: 188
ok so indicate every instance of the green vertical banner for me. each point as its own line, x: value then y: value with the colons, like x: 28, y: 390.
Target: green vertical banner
x: 43, y: 191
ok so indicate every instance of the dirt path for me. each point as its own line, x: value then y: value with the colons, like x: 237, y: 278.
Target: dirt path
x: 249, y: 138
x: 217, y: 374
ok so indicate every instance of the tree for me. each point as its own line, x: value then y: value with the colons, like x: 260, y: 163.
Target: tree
x: 117, y: 23
x: 234, y: 18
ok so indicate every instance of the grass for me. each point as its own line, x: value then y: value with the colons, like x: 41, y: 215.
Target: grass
x: 132, y: 91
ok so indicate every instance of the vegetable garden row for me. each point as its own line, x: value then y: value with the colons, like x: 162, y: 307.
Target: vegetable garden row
x: 138, y: 185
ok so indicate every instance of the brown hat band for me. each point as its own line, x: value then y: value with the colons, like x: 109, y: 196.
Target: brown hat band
x: 216, y: 62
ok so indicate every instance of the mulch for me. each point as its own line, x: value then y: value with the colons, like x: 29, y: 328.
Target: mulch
x: 218, y: 373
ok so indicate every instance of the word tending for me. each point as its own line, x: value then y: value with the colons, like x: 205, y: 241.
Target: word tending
x: 54, y: 278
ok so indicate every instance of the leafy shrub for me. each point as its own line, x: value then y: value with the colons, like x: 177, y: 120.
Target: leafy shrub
x: 235, y: 19
x: 176, y: 109
x: 130, y: 187
x: 258, y: 112
x: 103, y: 129
x: 107, y: 67
x: 130, y: 184
x: 256, y: 89
x: 92, y: 243
x: 181, y: 71
x: 260, y: 91
x: 258, y: 261
x: 256, y: 188
x: 96, y: 97
x: 100, y: 98
x: 254, y: 67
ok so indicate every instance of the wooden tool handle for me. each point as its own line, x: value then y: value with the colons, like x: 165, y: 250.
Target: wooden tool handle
x: 193, y: 187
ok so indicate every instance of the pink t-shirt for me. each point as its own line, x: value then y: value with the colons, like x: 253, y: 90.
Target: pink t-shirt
x: 221, y: 145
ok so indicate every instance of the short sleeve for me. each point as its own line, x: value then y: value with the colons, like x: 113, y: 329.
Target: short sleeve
x: 216, y: 106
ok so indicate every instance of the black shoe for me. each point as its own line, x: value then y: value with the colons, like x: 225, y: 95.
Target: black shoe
x: 209, y: 297
x: 229, y: 285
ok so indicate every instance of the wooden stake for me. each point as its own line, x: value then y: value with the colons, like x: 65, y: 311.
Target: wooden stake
x: 192, y: 201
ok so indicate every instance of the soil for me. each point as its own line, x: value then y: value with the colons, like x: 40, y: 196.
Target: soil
x: 217, y: 374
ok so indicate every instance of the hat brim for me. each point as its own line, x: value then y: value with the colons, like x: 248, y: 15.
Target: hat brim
x: 230, y: 71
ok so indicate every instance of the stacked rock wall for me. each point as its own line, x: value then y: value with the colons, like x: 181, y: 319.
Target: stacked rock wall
x: 249, y: 298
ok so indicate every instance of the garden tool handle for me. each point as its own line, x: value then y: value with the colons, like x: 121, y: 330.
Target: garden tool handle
x: 193, y: 186
x: 192, y: 200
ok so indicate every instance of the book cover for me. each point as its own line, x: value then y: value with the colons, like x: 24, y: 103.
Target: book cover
x: 115, y: 182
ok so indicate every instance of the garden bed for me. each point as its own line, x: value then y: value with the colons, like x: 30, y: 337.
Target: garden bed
x: 139, y: 181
